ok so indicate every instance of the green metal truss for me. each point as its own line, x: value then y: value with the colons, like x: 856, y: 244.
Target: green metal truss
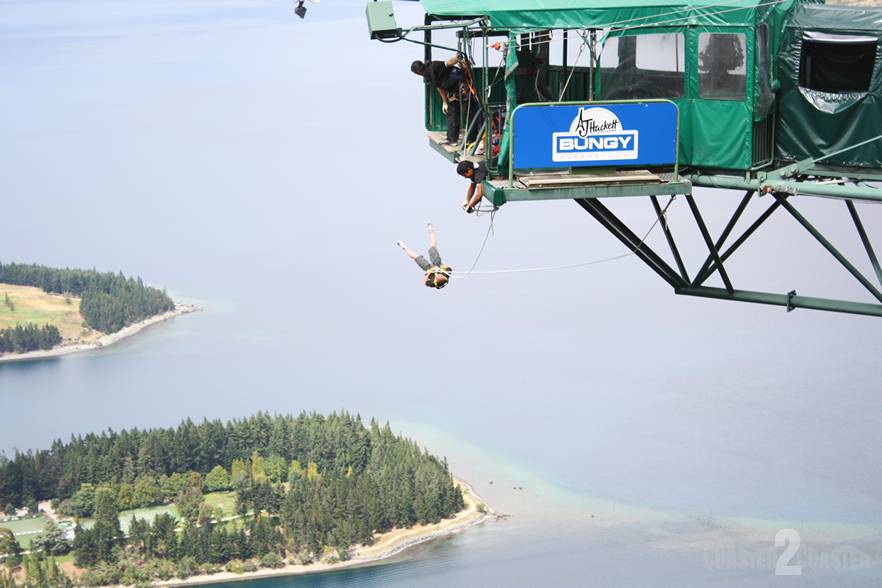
x: 679, y: 278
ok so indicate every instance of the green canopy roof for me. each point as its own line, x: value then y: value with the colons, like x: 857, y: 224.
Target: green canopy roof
x: 837, y: 18
x: 538, y: 14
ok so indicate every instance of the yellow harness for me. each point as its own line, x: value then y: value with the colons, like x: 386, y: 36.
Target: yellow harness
x: 431, y: 278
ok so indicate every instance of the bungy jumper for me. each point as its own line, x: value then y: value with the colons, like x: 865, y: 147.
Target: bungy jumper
x: 778, y: 99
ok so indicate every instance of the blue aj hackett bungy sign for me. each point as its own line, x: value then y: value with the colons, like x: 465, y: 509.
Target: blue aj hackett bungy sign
x: 636, y: 133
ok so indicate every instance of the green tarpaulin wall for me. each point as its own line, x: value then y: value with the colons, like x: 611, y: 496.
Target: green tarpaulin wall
x: 713, y: 133
x: 813, y: 123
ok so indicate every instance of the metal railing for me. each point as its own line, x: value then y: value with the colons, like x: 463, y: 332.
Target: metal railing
x: 763, y: 142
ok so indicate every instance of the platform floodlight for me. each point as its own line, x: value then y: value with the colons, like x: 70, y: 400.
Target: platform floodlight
x: 300, y: 10
x: 381, y: 20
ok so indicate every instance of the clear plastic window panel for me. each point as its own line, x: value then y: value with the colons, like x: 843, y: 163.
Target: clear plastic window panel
x: 661, y: 52
x: 722, y: 71
x: 643, y: 66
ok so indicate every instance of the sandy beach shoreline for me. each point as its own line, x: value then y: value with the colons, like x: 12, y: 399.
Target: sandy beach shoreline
x: 386, y: 545
x: 101, y: 342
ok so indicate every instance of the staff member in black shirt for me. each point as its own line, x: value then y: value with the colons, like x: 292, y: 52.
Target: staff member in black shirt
x: 477, y: 174
x: 447, y: 78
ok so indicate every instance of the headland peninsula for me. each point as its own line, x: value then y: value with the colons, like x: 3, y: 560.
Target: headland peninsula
x: 48, y: 312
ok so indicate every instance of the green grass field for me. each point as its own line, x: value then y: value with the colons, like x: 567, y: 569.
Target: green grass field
x: 26, y: 530
x: 226, y: 501
x: 147, y: 514
x: 32, y: 305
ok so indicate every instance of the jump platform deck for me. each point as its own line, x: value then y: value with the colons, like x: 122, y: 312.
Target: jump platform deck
x: 450, y: 151
x: 575, y: 186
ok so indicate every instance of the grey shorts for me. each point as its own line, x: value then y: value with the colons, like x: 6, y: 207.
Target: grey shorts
x: 433, y: 255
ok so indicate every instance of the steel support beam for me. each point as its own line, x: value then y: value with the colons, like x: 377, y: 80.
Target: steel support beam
x: 788, y: 301
x: 680, y: 282
x: 829, y: 247
x: 770, y: 183
x: 725, y: 234
x: 615, y: 226
x: 866, y: 240
x: 710, y: 244
x: 699, y: 279
x: 670, y: 238
x: 864, y: 173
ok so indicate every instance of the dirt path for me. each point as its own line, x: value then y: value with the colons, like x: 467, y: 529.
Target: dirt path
x: 46, y: 507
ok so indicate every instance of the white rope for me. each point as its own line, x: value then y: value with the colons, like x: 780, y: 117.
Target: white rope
x: 472, y: 271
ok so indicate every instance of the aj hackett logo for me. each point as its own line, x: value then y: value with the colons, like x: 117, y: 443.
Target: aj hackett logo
x: 595, y: 134
x: 600, y: 134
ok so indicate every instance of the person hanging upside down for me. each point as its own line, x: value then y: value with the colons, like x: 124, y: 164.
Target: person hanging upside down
x: 476, y: 174
x: 437, y: 274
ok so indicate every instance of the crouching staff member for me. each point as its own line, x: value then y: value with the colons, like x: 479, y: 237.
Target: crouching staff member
x: 476, y: 174
x: 447, y: 78
x: 437, y: 274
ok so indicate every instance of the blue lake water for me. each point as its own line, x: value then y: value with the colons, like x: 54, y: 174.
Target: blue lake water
x: 262, y: 167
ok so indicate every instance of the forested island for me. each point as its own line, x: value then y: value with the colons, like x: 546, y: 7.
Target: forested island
x: 261, y: 492
x: 76, y: 305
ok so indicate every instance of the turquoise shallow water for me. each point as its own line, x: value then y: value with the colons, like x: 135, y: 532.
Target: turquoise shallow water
x: 208, y: 147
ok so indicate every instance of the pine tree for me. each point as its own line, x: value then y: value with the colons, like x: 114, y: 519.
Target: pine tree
x: 107, y: 529
x: 10, y: 548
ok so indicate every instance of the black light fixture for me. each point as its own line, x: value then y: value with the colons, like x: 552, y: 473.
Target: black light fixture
x: 300, y: 10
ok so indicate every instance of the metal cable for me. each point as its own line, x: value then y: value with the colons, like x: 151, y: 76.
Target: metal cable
x: 615, y: 24
x: 575, y: 64
x: 560, y: 267
x: 480, y: 251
